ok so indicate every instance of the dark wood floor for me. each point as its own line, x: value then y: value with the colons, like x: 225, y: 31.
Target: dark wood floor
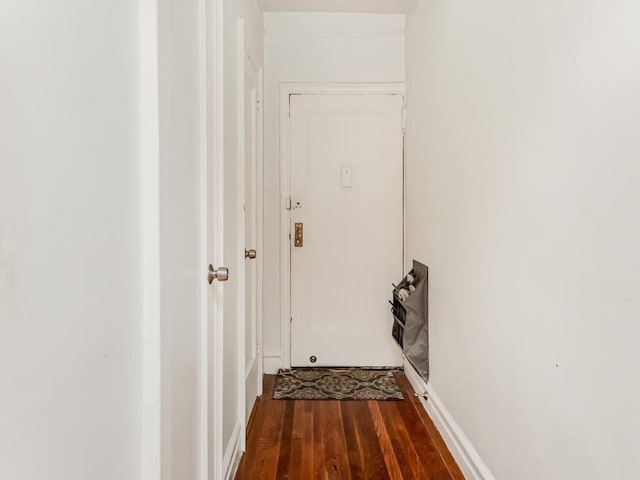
x: 327, y: 439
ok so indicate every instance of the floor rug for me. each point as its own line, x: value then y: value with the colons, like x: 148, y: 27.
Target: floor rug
x: 336, y: 384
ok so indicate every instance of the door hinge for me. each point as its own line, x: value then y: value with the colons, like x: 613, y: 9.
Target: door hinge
x: 258, y: 104
x: 403, y: 120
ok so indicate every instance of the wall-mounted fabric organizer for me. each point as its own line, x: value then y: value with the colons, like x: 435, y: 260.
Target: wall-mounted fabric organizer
x: 410, y: 309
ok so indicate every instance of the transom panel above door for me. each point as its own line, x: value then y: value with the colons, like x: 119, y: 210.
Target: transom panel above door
x: 346, y: 224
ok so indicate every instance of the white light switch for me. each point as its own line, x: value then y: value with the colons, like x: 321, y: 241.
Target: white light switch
x: 346, y: 175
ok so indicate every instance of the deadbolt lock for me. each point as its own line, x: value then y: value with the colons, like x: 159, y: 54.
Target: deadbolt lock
x: 298, y: 235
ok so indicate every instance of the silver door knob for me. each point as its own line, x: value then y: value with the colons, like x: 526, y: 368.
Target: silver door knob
x: 249, y: 253
x: 221, y: 274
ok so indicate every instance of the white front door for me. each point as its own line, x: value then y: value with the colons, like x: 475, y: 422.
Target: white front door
x: 346, y: 178
x: 252, y: 367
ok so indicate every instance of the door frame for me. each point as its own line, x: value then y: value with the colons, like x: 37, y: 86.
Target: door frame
x: 286, y: 91
x: 212, y: 154
x: 259, y: 134
x: 149, y: 124
x: 245, y: 54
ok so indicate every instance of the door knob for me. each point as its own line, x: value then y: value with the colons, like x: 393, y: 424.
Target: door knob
x: 221, y: 274
x: 249, y: 253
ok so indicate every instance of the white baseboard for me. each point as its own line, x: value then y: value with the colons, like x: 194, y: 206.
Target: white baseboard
x: 417, y: 382
x: 463, y: 451
x: 272, y: 363
x: 232, y: 456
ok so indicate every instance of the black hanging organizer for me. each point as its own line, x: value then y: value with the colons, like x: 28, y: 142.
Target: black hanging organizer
x: 399, y: 314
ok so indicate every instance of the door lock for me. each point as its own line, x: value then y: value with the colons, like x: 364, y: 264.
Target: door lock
x: 221, y: 274
x: 249, y: 253
x: 298, y: 235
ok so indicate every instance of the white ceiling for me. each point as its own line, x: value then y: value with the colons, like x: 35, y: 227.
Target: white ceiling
x: 353, y: 6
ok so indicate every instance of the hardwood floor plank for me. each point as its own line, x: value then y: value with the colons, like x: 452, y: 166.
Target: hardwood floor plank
x: 335, y: 442
x: 353, y: 450
x: 297, y: 438
x: 284, y: 456
x: 423, y: 443
x: 370, y: 450
x: 252, y: 417
x: 406, y: 455
x: 247, y: 465
x: 388, y: 452
x: 319, y: 467
x: 263, y: 441
x: 344, y: 440
x: 445, y: 454
x: 307, y: 440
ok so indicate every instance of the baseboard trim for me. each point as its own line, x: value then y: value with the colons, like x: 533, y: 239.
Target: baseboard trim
x: 272, y: 363
x: 232, y: 456
x: 463, y: 451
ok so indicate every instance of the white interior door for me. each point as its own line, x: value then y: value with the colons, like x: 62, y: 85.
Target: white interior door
x: 346, y: 182
x: 251, y: 150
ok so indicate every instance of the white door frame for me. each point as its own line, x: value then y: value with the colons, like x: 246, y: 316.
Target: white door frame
x: 233, y: 450
x: 149, y: 123
x: 251, y: 57
x: 212, y: 335
x: 286, y: 90
x: 244, y: 53
x: 260, y: 225
x: 240, y: 190
x: 247, y: 52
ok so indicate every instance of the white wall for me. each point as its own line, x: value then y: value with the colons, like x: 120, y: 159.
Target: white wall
x: 318, y: 48
x: 522, y: 181
x: 70, y: 330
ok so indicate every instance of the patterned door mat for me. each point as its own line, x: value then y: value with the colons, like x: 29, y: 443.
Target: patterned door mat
x: 336, y: 384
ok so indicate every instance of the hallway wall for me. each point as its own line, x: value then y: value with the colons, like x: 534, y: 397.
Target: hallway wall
x: 70, y: 309
x: 523, y: 165
x: 320, y: 48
